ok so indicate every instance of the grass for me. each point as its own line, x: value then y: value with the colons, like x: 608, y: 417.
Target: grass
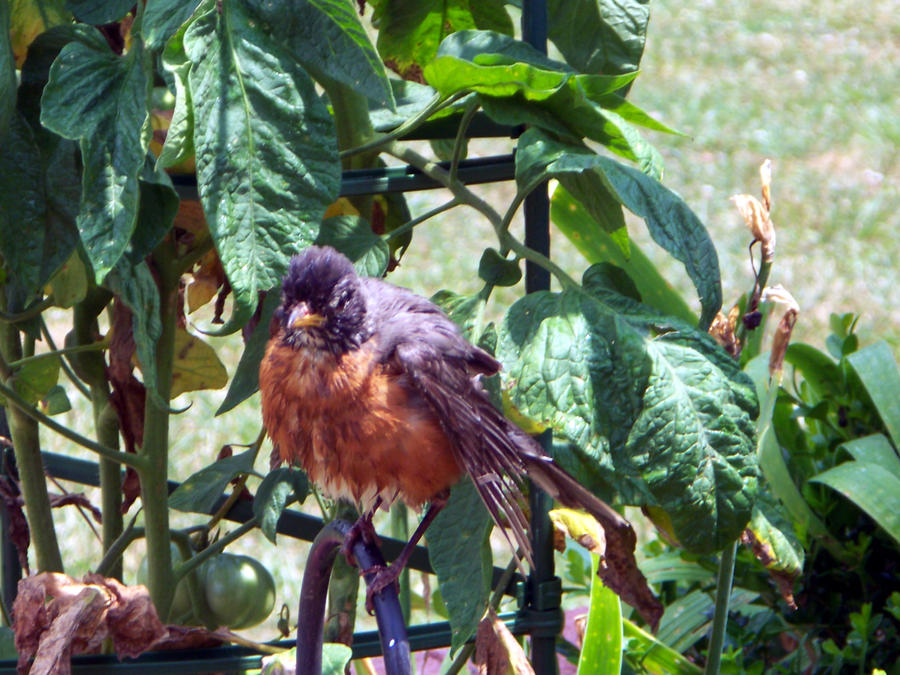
x: 810, y: 85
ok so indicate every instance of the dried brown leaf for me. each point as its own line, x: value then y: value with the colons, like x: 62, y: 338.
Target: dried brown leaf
x: 763, y: 552
x: 208, y: 276
x: 76, y: 499
x: 18, y: 532
x: 765, y: 177
x: 722, y: 329
x: 497, y: 652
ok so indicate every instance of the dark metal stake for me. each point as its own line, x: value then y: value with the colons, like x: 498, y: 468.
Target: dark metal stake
x: 314, y: 589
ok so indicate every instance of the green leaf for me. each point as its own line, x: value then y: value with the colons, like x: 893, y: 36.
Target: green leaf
x: 466, y: 311
x: 70, y: 283
x: 101, y: 99
x: 776, y: 544
x: 601, y: 653
x: 669, y: 220
x: 199, y: 493
x: 353, y: 236
x: 7, y: 71
x: 877, y: 369
x: 497, y: 270
x: 327, y: 37
x: 599, y: 36
x: 266, y: 151
x: 98, y: 12
x: 596, y: 245
x: 335, y: 657
x: 245, y: 381
x: 56, y: 401
x: 409, y: 31
x: 655, y: 656
x: 655, y: 407
x: 179, y: 144
x: 672, y: 566
x: 492, y: 15
x: 818, y: 369
x: 7, y: 643
x: 458, y: 546
x: 35, y: 378
x: 875, y: 448
x: 22, y: 205
x: 410, y: 99
x: 163, y: 18
x: 273, y: 494
x: 872, y: 488
x: 158, y: 206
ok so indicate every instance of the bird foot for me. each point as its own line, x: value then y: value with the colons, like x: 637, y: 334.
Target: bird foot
x: 382, y: 577
x: 361, y: 530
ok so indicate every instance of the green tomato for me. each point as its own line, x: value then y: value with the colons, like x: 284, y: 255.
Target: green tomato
x: 239, y: 590
x: 181, y: 609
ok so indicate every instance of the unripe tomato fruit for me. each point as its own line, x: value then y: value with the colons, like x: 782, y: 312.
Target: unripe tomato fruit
x: 239, y: 590
x: 181, y: 601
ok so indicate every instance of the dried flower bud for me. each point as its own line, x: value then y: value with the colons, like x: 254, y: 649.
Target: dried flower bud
x: 756, y: 215
x: 722, y: 329
x: 765, y: 177
x: 782, y: 337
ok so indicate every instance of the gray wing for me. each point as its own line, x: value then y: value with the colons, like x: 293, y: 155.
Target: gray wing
x: 416, y: 338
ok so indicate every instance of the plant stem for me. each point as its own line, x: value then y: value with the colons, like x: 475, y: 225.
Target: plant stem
x: 155, y: 450
x: 720, y: 618
x: 27, y: 449
x: 465, y: 196
x: 407, y: 226
x: 64, y: 364
x: 30, y: 312
x: 106, y: 422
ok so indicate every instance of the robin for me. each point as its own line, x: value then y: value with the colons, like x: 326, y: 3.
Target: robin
x: 374, y: 392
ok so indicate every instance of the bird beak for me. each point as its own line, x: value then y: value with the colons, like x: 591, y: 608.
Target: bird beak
x: 301, y: 317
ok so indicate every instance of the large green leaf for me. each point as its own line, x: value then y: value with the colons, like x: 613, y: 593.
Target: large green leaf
x: 353, y: 236
x: 101, y: 99
x: 518, y: 85
x: 653, y: 406
x: 599, y: 36
x: 459, y: 550
x: 596, y: 245
x: 162, y: 18
x: 670, y: 221
x: 409, y: 31
x: 199, y: 492
x: 35, y: 237
x: 98, y: 12
x: 877, y: 369
x: 327, y: 37
x: 7, y: 71
x: 179, y: 145
x: 30, y: 18
x: 871, y: 487
x: 266, y: 149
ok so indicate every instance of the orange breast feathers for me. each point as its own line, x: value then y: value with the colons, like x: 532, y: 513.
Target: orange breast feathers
x: 357, y: 430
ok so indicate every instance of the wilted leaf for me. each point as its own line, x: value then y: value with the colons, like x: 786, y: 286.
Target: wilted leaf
x: 18, y: 533
x: 497, y: 652
x: 200, y: 491
x: 57, y: 616
x: 207, y: 278
x: 196, y: 365
x: 582, y: 528
x: 771, y: 538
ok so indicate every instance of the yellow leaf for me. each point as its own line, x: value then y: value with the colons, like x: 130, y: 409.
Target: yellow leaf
x: 342, y: 207
x: 497, y: 652
x: 197, y: 366
x: 526, y: 424
x: 30, y: 18
x: 581, y: 527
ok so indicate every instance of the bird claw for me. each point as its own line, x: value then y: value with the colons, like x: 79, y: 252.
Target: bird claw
x: 361, y: 530
x: 382, y: 577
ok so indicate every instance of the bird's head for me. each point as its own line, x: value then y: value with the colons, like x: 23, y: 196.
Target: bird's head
x: 322, y: 304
